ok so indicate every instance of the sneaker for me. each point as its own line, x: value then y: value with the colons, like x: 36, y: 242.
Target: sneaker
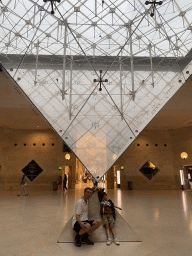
x: 116, y: 241
x: 85, y: 239
x: 77, y: 240
x: 108, y: 241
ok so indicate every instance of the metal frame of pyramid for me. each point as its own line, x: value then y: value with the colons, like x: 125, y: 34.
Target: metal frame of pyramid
x: 55, y: 60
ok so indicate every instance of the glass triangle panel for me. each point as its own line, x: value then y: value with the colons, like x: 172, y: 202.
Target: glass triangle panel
x: 143, y: 51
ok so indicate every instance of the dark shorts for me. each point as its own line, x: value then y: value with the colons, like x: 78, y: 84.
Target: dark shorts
x: 108, y: 219
x: 77, y: 227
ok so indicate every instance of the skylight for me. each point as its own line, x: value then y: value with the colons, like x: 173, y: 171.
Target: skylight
x: 55, y: 59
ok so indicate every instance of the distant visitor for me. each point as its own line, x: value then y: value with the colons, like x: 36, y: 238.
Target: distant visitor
x: 22, y: 186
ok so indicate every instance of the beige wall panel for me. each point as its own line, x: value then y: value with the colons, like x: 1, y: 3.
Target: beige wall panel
x: 136, y: 156
x: 14, y: 158
x: 167, y: 158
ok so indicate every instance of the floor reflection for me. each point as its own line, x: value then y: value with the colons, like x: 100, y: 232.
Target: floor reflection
x: 156, y: 214
x: 184, y: 202
x: 162, y: 219
x: 119, y: 198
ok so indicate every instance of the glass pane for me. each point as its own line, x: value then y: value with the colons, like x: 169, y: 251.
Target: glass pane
x: 55, y: 59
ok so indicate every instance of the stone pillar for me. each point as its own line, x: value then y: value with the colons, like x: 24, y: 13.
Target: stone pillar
x: 71, y: 178
x: 186, y: 183
x: 110, y: 178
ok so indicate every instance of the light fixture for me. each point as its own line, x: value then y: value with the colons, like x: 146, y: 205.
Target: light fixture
x: 67, y: 156
x: 118, y: 179
x: 184, y: 155
x: 182, y: 179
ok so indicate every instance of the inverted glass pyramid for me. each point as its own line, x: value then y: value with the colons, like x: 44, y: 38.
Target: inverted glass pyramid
x: 56, y: 59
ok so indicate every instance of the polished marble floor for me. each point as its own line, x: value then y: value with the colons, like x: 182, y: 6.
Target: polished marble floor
x: 31, y: 225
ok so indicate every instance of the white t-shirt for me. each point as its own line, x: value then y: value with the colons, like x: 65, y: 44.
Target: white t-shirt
x: 81, y: 208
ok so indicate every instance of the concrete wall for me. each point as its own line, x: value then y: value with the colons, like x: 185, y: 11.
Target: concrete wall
x: 49, y: 157
x: 167, y: 158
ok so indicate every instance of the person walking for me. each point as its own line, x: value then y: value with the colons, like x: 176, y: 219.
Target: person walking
x: 65, y: 182
x: 22, y: 186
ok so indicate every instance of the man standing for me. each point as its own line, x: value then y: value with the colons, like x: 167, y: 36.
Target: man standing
x: 65, y: 182
x: 81, y: 224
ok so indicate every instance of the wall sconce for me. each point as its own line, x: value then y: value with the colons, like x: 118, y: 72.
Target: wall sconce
x: 67, y: 156
x: 184, y: 155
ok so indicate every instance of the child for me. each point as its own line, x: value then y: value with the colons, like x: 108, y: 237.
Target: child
x: 107, y: 210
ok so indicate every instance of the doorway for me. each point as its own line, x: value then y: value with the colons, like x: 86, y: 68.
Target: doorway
x: 187, y: 171
x: 64, y: 170
x: 117, y: 176
x: 84, y: 179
